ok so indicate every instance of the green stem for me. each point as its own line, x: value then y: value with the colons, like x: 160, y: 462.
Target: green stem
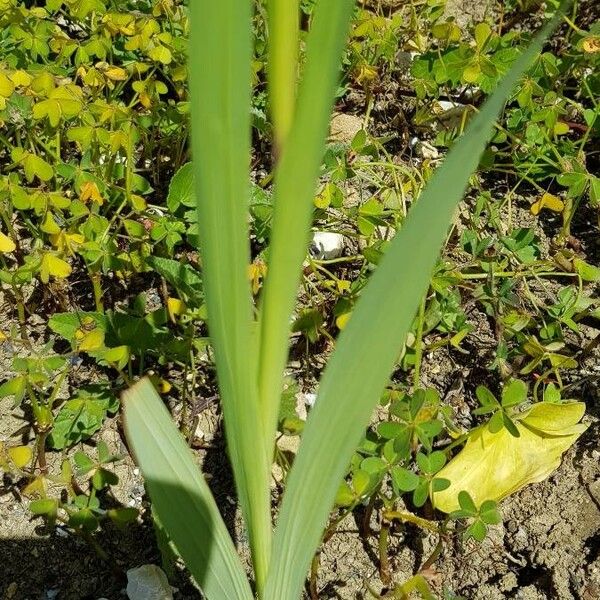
x: 21, y: 314
x: 314, y: 573
x: 392, y: 515
x: 419, y: 344
x: 41, y: 451
x: 97, y: 290
x: 476, y: 276
x: 384, y: 561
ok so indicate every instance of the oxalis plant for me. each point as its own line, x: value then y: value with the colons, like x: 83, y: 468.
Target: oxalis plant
x: 251, y: 344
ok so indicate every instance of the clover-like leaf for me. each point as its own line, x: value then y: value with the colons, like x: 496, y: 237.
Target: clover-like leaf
x: 403, y: 479
x: 514, y: 393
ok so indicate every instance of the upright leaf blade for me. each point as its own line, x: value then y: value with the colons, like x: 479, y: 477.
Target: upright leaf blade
x: 220, y: 82
x: 295, y: 183
x: 283, y: 64
x: 181, y: 497
x: 368, y: 347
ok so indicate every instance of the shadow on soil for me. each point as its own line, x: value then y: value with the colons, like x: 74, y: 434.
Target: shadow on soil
x: 61, y: 566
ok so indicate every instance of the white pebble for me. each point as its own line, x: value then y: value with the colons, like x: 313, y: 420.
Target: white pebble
x: 326, y: 245
x: 148, y: 582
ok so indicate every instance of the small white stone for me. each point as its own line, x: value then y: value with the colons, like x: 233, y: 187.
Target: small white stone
x: 310, y: 399
x: 424, y: 149
x: 199, y: 432
x: 136, y: 471
x: 446, y: 105
x: 148, y: 582
x: 326, y: 245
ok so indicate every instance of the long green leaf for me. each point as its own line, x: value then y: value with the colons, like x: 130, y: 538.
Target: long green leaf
x: 220, y: 79
x: 293, y: 195
x: 283, y: 64
x: 180, y: 496
x: 367, y: 349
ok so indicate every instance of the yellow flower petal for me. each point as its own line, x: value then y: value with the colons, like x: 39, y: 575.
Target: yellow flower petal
x: 549, y: 201
x: 89, y: 191
x: 591, y: 44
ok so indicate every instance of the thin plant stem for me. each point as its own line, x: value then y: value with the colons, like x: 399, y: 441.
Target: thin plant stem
x: 392, y: 515
x: 384, y: 561
x: 419, y: 344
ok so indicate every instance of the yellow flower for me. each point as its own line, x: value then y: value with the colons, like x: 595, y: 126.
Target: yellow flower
x: 89, y: 191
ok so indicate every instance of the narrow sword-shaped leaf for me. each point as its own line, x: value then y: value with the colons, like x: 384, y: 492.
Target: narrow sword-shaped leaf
x: 220, y: 82
x: 368, y: 348
x: 180, y: 496
x: 295, y: 183
x: 283, y: 65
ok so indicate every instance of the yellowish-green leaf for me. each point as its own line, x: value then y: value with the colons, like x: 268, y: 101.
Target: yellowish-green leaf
x: 35, y: 166
x: 67, y: 242
x: 52, y: 266
x: 7, y: 87
x: 161, y: 54
x: 116, y: 74
x: 21, y: 78
x: 63, y: 102
x: 586, y: 271
x: 482, y: 34
x: 118, y: 356
x: 43, y: 83
x: 472, y: 73
x: 447, y: 31
x: 493, y: 465
x: 20, y: 456
x: 92, y: 340
x: 342, y: 320
x: 6, y: 244
x: 35, y: 489
x: 49, y: 225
